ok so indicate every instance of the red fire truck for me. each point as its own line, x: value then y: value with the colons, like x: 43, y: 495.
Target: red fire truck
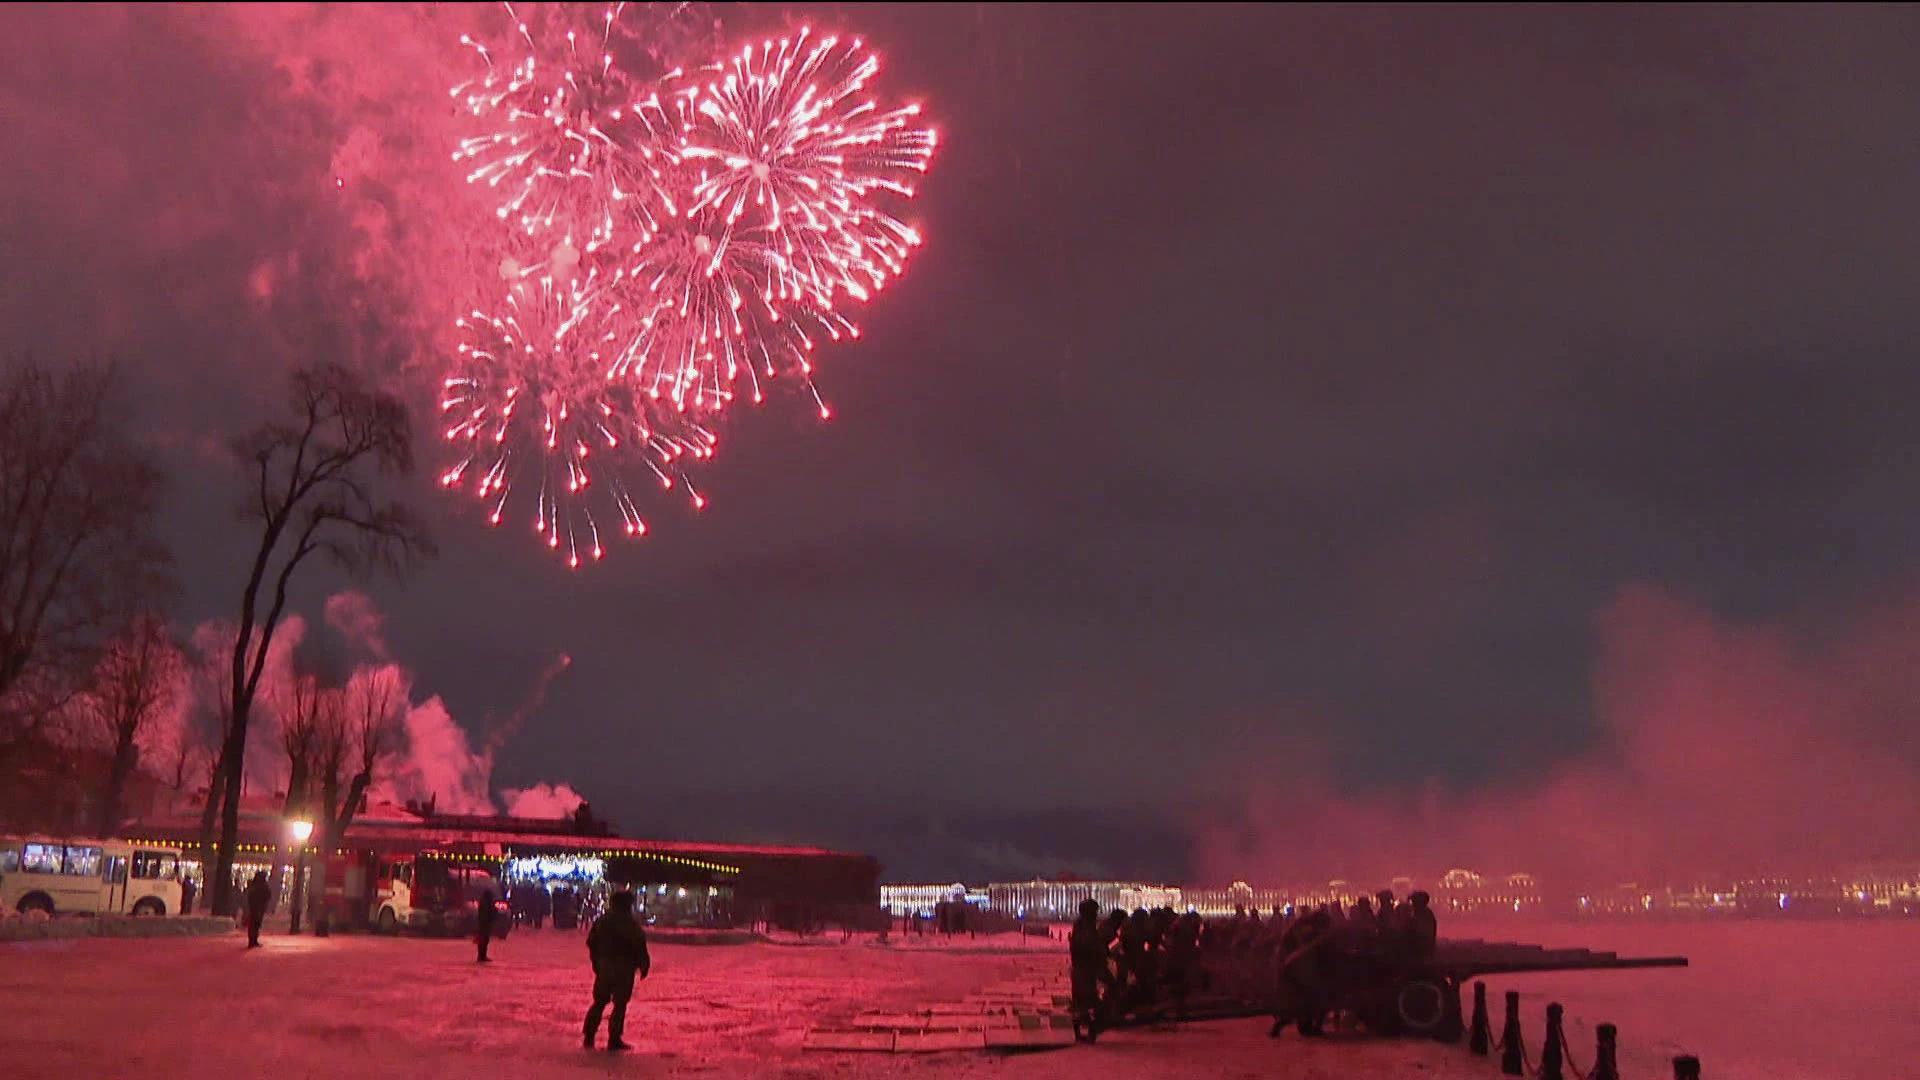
x: 434, y: 892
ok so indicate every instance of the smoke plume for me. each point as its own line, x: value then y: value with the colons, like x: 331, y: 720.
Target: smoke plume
x: 1723, y: 748
x: 354, y: 617
x: 542, y: 801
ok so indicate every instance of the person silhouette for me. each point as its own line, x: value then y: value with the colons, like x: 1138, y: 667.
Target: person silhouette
x: 258, y: 893
x: 617, y: 946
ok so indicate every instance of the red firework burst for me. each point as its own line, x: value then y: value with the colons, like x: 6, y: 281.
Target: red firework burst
x: 694, y: 238
x: 531, y: 404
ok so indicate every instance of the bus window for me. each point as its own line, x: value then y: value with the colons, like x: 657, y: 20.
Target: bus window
x: 9, y: 860
x: 83, y: 861
x: 155, y: 865
x: 42, y: 858
x: 116, y: 870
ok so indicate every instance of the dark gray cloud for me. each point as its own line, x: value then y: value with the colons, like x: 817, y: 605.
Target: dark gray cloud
x: 1268, y: 374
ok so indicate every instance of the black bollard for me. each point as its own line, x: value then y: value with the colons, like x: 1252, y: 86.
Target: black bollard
x: 1605, y: 1060
x: 1513, y: 1061
x: 1553, y: 1051
x: 1686, y: 1067
x: 1480, y: 1038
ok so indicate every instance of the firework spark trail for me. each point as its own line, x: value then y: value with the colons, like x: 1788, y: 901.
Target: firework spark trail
x: 781, y: 221
x: 531, y: 403
x: 714, y: 307
x: 535, y: 699
x: 691, y: 239
x: 563, y: 144
x: 792, y: 149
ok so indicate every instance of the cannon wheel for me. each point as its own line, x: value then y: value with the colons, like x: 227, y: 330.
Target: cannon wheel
x: 1429, y: 1006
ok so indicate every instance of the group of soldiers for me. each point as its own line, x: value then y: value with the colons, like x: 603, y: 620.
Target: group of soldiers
x: 1138, y: 966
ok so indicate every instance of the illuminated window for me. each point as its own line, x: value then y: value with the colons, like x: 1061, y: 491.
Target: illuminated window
x: 83, y: 862
x: 42, y: 858
x: 154, y: 865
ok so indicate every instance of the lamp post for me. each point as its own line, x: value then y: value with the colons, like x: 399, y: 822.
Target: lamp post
x: 301, y: 830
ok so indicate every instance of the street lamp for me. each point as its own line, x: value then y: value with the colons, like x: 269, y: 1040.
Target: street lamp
x: 301, y: 830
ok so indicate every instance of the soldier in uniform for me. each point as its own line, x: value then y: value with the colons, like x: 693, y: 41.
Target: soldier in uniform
x: 1139, y: 964
x: 1182, y: 965
x: 617, y: 946
x: 1087, y: 955
x: 1303, y: 974
x: 1360, y: 917
x: 1113, y: 1005
x: 1423, y: 929
x: 1384, y: 908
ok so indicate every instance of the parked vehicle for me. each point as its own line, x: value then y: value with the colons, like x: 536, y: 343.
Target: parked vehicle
x: 57, y: 876
x: 436, y: 893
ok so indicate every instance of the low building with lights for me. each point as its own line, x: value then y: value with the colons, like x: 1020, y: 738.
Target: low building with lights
x: 682, y: 882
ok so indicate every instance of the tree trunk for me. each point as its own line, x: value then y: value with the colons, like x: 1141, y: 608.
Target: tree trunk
x: 126, y: 757
x: 293, y: 806
x: 329, y: 840
x: 216, y: 785
x: 317, y: 894
x: 234, y: 754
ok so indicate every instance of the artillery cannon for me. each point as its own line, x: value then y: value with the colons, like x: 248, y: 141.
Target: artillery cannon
x: 1410, y: 997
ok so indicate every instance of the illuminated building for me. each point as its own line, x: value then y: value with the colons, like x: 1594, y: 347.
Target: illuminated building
x: 1060, y: 900
x: 1237, y: 896
x: 920, y: 899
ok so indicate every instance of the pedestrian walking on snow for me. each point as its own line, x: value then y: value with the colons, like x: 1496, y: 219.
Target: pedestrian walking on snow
x: 258, y: 893
x: 617, y: 945
x: 483, y: 919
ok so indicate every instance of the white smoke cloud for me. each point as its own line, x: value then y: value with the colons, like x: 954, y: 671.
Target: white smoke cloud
x: 542, y: 801
x: 436, y: 761
x: 354, y: 617
x: 439, y: 763
x: 210, y: 694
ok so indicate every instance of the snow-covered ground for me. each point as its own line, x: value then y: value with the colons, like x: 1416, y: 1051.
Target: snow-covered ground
x: 364, y: 1007
x: 1762, y: 1001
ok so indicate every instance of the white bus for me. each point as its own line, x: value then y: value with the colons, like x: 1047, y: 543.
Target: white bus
x: 88, y: 877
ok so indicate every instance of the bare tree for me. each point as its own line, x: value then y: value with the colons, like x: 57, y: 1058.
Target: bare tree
x: 138, y: 678
x: 78, y: 549
x: 364, y: 733
x: 182, y: 756
x: 312, y: 491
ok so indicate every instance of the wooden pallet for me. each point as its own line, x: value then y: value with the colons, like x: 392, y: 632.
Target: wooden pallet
x: 849, y: 1042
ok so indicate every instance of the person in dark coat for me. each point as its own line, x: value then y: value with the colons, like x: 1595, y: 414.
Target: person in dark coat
x: 258, y: 893
x: 1423, y: 930
x: 1138, y: 974
x: 1303, y: 976
x: 187, y: 889
x: 1182, y: 966
x: 484, y: 915
x: 617, y: 945
x: 1087, y: 952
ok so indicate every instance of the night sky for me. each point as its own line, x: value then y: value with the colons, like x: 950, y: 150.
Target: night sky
x: 1325, y: 400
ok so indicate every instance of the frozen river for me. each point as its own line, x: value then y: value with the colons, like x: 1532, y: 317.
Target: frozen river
x: 1762, y: 1000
